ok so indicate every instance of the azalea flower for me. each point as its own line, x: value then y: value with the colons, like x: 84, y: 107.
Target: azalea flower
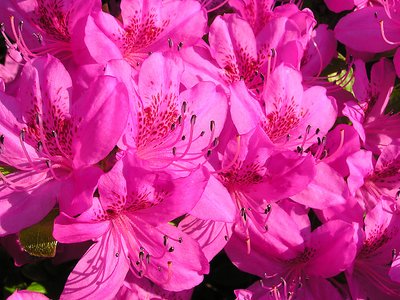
x: 53, y: 142
x: 146, y: 27
x: 129, y: 224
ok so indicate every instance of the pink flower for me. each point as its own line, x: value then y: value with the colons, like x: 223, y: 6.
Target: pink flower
x: 142, y: 288
x: 129, y: 222
x: 44, y: 26
x: 171, y: 127
x: 294, y: 116
x: 376, y: 128
x: 52, y: 142
x: 147, y: 26
x: 291, y: 260
x: 369, y: 276
x: 370, y: 180
x: 27, y: 295
x: 376, y: 23
x: 10, y: 69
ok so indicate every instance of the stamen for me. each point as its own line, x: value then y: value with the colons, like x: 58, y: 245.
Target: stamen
x: 54, y: 134
x: 180, y: 45
x: 233, y: 161
x: 385, y: 38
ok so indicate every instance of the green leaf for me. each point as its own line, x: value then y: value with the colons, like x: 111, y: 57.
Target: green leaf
x: 12, y: 289
x: 38, y: 239
x: 37, y: 287
x: 339, y: 73
x: 5, y: 170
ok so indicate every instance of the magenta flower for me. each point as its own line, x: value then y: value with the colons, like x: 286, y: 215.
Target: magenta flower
x: 27, y: 295
x: 376, y: 128
x: 44, y: 26
x: 129, y: 222
x: 291, y: 260
x: 173, y: 128
x: 370, y: 180
x: 369, y: 277
x: 294, y: 116
x: 143, y: 288
x: 147, y: 26
x: 378, y: 23
x: 52, y: 143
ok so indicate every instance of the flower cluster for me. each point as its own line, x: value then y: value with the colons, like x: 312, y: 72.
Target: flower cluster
x: 146, y: 136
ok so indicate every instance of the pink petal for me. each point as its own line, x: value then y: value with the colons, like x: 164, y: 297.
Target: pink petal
x: 100, y: 123
x: 328, y: 240
x: 245, y: 110
x: 99, y: 273
x: 215, y: 203
x: 367, y: 20
x: 30, y: 207
x: 211, y: 235
x: 27, y: 295
x: 322, y: 193
x: 71, y: 230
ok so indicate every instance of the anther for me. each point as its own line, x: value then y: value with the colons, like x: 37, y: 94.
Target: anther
x: 215, y: 142
x: 171, y: 249
x: 23, y: 133
x: 262, y: 77
x: 267, y: 209
x: 173, y: 126
x: 212, y: 125
x: 170, y: 43
x: 209, y: 152
x: 53, y: 133
x: 193, y: 120
x: 180, y: 240
x: 180, y: 45
x: 308, y: 129
x: 243, y: 213
x: 299, y: 149
x: 141, y: 254
x: 174, y: 151
x: 165, y: 240
x: 226, y: 237
x: 2, y: 139
x: 20, y: 25
x: 202, y: 133
x: 116, y: 254
x: 183, y: 137
x: 148, y: 258
x: 184, y: 106
x: 317, y: 131
x: 39, y: 146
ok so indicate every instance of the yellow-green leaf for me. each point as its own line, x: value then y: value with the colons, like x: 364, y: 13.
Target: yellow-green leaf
x: 36, y: 287
x: 38, y: 239
x: 5, y: 170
